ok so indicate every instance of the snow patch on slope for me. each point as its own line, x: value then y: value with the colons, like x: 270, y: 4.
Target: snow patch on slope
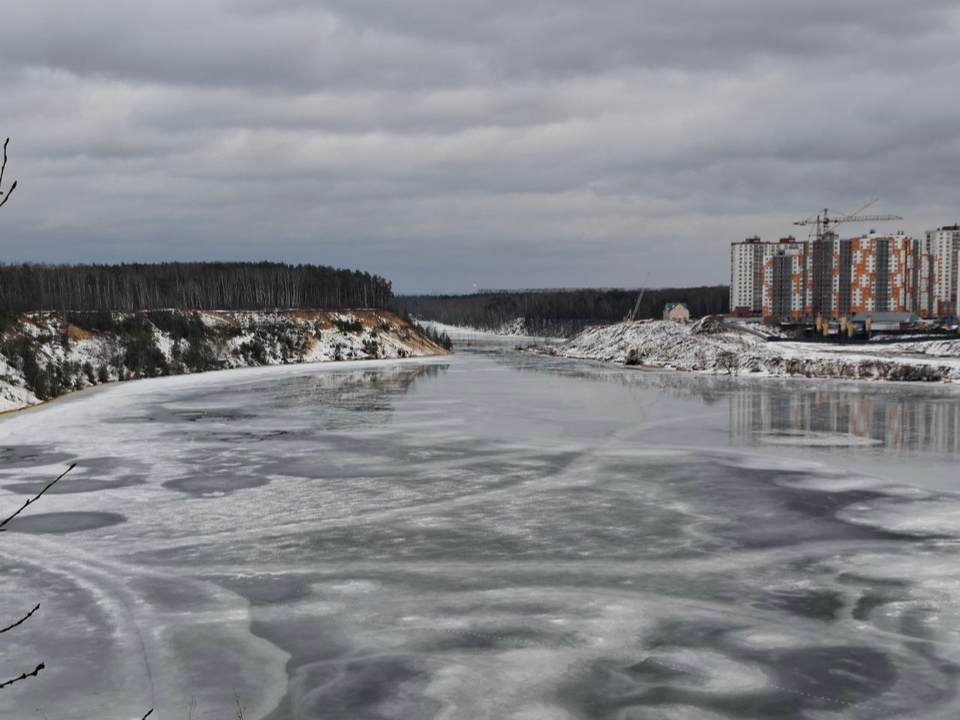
x: 710, y: 345
x: 74, y: 358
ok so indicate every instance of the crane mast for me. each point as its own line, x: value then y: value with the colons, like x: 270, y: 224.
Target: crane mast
x: 636, y: 308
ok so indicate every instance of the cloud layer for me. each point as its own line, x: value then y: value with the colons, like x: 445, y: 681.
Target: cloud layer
x: 446, y: 144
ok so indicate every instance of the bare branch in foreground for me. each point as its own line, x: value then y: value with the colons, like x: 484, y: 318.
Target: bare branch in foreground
x: 240, y: 708
x: 35, y: 672
x: 21, y: 621
x: 149, y: 713
x: 4, y: 166
x: 30, y: 502
x: 9, y: 193
x: 2, y: 169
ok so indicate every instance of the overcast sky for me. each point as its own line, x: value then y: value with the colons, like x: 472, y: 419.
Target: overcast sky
x: 452, y: 143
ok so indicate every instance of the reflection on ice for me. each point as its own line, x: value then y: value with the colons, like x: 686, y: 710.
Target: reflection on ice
x: 497, y: 537
x: 905, y: 421
x: 812, y: 438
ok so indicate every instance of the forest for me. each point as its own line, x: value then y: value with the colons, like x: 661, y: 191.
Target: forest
x: 188, y: 286
x: 560, y: 313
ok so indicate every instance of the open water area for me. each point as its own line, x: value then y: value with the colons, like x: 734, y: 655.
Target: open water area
x: 487, y: 535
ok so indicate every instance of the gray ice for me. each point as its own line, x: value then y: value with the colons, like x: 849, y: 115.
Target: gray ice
x: 492, y: 535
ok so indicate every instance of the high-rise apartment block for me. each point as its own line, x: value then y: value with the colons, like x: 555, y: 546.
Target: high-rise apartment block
x: 944, y: 244
x: 833, y: 277
x: 748, y: 270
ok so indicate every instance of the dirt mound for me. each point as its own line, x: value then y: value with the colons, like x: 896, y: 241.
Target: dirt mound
x: 710, y: 325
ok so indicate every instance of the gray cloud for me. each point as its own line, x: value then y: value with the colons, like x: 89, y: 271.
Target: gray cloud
x: 483, y: 141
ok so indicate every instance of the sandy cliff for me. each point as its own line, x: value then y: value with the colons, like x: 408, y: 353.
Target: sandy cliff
x: 43, y: 355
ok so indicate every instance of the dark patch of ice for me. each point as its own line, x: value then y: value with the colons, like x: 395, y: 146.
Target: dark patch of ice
x: 60, y: 523
x: 72, y: 486
x: 205, y: 485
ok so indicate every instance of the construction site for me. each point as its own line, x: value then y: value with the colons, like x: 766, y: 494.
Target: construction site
x: 853, y: 287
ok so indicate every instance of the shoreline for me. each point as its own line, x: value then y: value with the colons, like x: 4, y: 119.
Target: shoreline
x: 113, y: 384
x: 51, y: 355
x: 668, y: 368
x: 706, y: 348
x: 751, y: 376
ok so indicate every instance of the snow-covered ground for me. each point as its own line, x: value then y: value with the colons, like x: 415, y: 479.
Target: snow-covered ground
x: 516, y: 327
x: 516, y: 335
x: 711, y: 346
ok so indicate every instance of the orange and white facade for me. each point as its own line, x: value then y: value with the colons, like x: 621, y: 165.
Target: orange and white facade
x: 836, y: 278
x: 881, y: 275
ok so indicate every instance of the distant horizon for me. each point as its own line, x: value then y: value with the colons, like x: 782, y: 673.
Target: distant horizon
x: 471, y: 291
x: 720, y: 251
x: 482, y: 143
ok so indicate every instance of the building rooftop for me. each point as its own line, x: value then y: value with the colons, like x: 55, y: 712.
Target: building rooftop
x: 887, y: 317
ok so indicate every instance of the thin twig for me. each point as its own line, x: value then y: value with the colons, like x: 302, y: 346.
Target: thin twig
x: 149, y: 713
x: 30, y: 502
x: 2, y: 169
x: 4, y: 166
x: 9, y: 193
x: 36, y: 672
x: 21, y: 621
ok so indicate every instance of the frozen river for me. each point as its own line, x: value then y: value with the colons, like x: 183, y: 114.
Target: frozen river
x: 490, y: 535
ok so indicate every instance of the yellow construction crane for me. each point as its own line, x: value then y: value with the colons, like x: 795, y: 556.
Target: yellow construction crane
x: 825, y: 223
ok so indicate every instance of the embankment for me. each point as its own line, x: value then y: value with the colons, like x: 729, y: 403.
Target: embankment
x: 713, y: 347
x: 44, y: 355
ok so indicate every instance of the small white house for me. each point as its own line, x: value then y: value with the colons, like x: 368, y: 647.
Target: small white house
x: 676, y: 311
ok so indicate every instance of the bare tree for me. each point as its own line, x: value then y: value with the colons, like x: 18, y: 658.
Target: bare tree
x: 240, y: 708
x: 30, y: 501
x: 21, y: 621
x: 729, y: 361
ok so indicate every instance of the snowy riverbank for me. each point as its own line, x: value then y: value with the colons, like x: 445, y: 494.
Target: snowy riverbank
x: 711, y: 346
x: 460, y: 334
x: 513, y: 328
x: 44, y: 355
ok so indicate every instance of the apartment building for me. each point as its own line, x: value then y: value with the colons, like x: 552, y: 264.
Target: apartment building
x: 880, y: 277
x: 785, y: 289
x: 748, y: 270
x: 944, y: 244
x: 924, y: 271
x: 833, y: 277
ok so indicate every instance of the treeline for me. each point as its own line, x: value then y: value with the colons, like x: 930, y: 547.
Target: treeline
x: 190, y: 286
x: 440, y: 337
x: 561, y: 313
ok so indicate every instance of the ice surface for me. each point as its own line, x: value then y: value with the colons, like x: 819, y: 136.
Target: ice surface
x: 492, y: 535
